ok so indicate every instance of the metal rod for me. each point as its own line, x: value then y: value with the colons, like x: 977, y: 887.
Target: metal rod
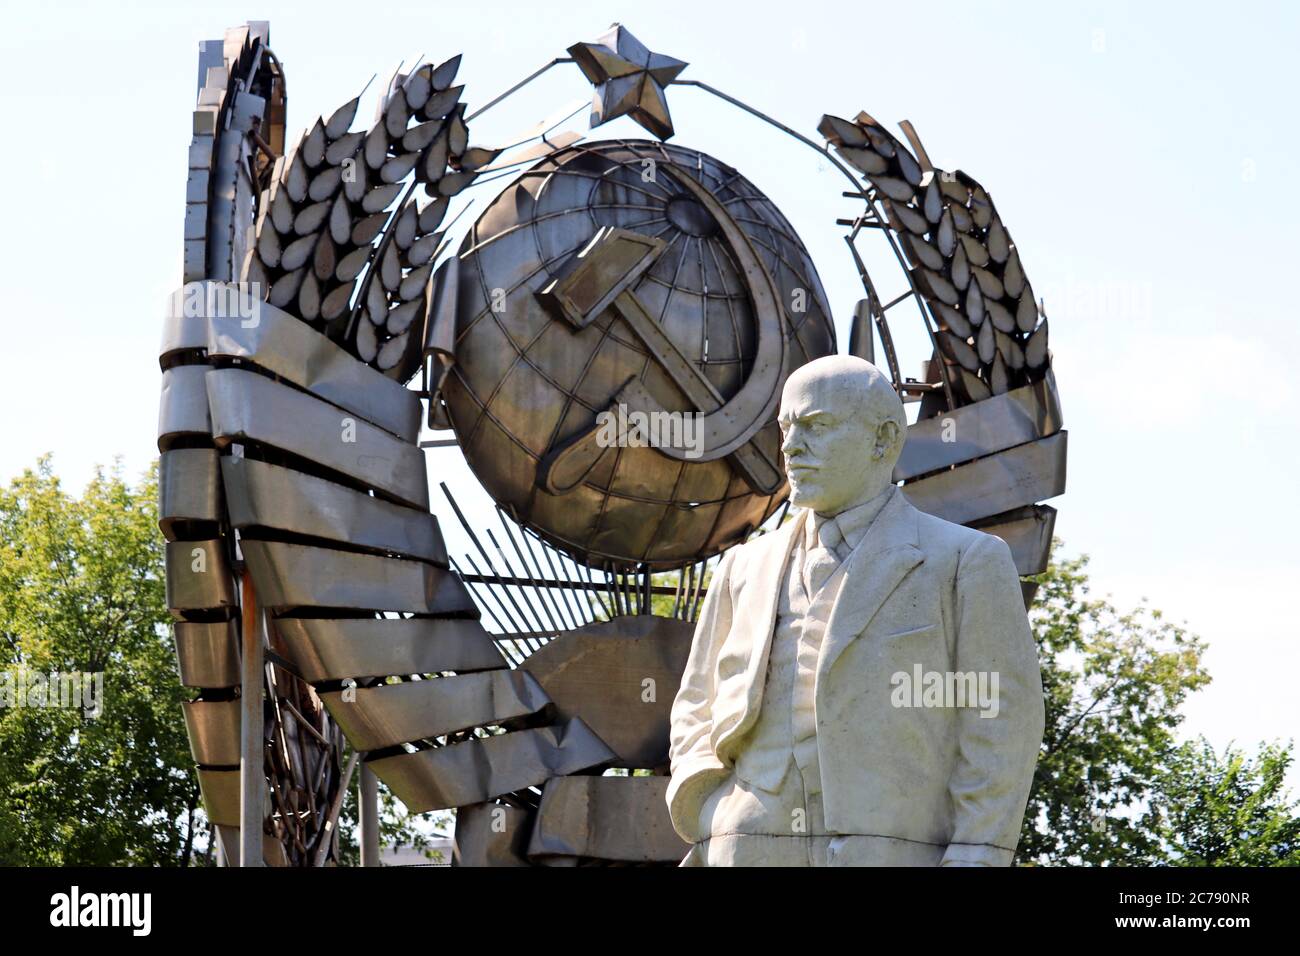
x: 647, y: 605
x: 699, y: 589
x: 565, y: 599
x: 541, y: 598
x: 518, y: 86
x: 303, y: 722
x: 549, y: 603
x: 581, y: 608
x: 690, y: 585
x: 252, y: 773
x: 368, y: 811
x: 901, y: 297
x: 496, y: 597
x: 873, y: 301
x: 926, y: 318
x: 585, y: 572
x: 460, y: 515
x: 510, y: 571
x: 325, y: 837
x: 677, y: 593
x: 823, y: 151
x: 467, y: 579
x: 611, y: 583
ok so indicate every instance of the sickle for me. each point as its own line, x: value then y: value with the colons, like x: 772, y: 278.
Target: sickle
x: 727, y: 428
x: 724, y: 427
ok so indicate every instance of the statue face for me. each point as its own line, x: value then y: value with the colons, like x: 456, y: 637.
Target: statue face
x: 839, y: 447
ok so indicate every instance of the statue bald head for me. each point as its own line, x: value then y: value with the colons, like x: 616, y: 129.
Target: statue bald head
x: 842, y: 428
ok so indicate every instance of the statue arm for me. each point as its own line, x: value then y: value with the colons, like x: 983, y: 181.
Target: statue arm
x: 997, y: 754
x: 696, y: 769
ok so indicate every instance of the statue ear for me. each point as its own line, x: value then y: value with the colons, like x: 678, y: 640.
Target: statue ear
x: 887, y: 434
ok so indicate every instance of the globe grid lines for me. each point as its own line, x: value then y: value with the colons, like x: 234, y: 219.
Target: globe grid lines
x: 700, y: 299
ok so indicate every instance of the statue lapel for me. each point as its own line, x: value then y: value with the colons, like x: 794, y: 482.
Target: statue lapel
x: 757, y: 616
x: 871, y: 573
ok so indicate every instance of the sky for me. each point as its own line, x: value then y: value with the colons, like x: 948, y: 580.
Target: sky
x: 1143, y: 158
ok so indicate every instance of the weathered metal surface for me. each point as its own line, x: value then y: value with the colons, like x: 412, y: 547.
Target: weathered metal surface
x: 249, y: 407
x: 189, y: 490
x: 294, y: 575
x: 620, y: 676
x: 214, y: 731
x: 629, y: 79
x: 491, y: 834
x: 603, y: 275
x: 1028, y: 532
x: 207, y: 653
x: 326, y: 649
x: 220, y: 792
x: 477, y: 770
x: 238, y: 132
x: 317, y: 254
x: 263, y: 495
x: 283, y: 344
x: 612, y: 819
x: 973, y: 431
x: 198, y: 576
x: 526, y: 384
x: 376, y: 717
x: 185, y: 331
x: 959, y: 259
x: 183, y: 405
x: 1009, y: 479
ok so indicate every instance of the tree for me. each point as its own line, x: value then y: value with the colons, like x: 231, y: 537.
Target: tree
x: 81, y: 591
x: 1113, y: 685
x: 397, y: 826
x: 1227, y: 810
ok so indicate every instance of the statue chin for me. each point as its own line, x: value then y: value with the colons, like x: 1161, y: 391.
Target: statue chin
x: 803, y: 497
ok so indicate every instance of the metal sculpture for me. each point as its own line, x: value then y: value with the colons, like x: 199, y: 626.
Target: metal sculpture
x: 696, y: 319
x: 295, y: 497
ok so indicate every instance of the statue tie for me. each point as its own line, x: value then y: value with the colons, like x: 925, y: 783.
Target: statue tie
x: 824, y: 557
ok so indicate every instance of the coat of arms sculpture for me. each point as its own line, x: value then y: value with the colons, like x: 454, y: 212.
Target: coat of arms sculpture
x: 605, y: 337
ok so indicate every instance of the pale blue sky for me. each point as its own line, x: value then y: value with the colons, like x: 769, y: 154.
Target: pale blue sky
x: 1143, y: 157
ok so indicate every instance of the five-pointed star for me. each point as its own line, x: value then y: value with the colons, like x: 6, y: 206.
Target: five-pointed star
x: 629, y: 79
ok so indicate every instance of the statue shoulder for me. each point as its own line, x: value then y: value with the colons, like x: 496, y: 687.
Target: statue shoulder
x: 758, y: 548
x: 939, y: 535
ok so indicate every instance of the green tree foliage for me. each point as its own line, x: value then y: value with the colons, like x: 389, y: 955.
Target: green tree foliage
x: 81, y: 590
x: 1228, y: 810
x: 1113, y: 684
x: 1112, y: 785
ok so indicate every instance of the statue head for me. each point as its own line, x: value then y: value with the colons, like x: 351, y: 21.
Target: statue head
x: 842, y: 428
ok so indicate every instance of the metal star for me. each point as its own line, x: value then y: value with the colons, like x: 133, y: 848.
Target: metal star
x: 629, y: 79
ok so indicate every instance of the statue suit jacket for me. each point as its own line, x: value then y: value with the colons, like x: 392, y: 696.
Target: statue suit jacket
x: 916, y: 589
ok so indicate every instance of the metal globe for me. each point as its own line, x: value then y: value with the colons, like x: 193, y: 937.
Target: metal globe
x: 527, y: 383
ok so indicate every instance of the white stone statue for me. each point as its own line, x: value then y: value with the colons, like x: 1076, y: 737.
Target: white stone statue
x: 863, y: 687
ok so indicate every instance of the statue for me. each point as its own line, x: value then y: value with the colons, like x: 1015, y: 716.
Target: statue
x: 863, y: 687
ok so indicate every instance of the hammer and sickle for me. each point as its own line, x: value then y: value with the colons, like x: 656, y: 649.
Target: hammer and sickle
x: 601, y: 276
